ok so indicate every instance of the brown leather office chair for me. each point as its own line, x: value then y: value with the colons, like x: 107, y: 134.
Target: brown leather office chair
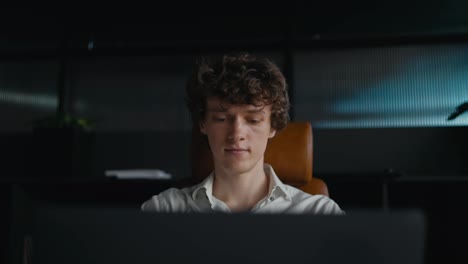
x: 289, y: 153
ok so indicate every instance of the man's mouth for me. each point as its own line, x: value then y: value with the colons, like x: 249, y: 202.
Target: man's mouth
x: 236, y: 150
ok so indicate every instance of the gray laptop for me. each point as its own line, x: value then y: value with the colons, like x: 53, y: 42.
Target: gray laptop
x: 86, y: 235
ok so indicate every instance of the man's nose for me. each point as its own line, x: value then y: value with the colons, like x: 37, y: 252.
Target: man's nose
x: 237, y: 130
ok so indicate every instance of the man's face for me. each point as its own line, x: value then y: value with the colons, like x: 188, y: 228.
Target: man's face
x: 237, y: 134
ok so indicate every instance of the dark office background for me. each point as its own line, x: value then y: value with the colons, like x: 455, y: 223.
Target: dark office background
x: 377, y: 80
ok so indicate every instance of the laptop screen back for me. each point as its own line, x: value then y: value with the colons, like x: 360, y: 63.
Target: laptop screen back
x: 84, y: 235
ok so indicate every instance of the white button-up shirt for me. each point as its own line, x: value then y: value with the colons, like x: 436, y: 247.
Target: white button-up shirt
x: 281, y: 198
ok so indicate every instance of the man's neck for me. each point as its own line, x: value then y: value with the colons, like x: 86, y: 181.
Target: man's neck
x: 241, y: 192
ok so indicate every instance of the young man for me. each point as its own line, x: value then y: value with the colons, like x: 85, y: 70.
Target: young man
x: 239, y: 102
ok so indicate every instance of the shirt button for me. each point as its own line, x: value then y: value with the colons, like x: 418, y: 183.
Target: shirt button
x: 272, y: 198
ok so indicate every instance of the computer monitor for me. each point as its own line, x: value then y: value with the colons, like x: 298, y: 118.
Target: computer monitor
x: 110, y: 235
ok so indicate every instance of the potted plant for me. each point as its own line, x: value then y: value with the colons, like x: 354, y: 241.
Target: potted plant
x: 64, y: 121
x: 63, y: 146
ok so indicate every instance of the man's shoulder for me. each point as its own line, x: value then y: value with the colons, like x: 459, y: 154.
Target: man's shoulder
x: 314, y: 203
x: 170, y: 200
x: 175, y: 192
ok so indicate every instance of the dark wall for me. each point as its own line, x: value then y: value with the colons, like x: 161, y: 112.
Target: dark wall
x: 126, y: 66
x: 412, y: 152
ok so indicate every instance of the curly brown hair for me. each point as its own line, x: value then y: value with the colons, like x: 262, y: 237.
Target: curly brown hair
x: 239, y: 79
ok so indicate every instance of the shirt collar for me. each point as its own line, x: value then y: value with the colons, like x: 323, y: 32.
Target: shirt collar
x: 205, y: 187
x: 276, y: 187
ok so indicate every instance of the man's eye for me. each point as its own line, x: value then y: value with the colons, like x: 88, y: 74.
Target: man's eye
x: 219, y: 119
x: 254, y: 121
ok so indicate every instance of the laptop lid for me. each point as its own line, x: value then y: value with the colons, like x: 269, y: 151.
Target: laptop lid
x: 97, y: 235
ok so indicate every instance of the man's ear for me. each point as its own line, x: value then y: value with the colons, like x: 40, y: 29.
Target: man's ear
x: 272, y: 133
x: 202, y: 127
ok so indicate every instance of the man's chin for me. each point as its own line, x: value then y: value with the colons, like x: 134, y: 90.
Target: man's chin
x: 238, y: 167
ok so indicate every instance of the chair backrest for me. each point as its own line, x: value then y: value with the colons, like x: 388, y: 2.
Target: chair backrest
x: 289, y: 153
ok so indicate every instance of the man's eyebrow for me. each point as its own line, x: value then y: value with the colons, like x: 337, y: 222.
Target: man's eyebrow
x: 254, y: 111
x: 218, y: 110
x: 224, y: 110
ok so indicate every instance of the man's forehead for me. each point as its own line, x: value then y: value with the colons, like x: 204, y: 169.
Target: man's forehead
x: 215, y: 105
